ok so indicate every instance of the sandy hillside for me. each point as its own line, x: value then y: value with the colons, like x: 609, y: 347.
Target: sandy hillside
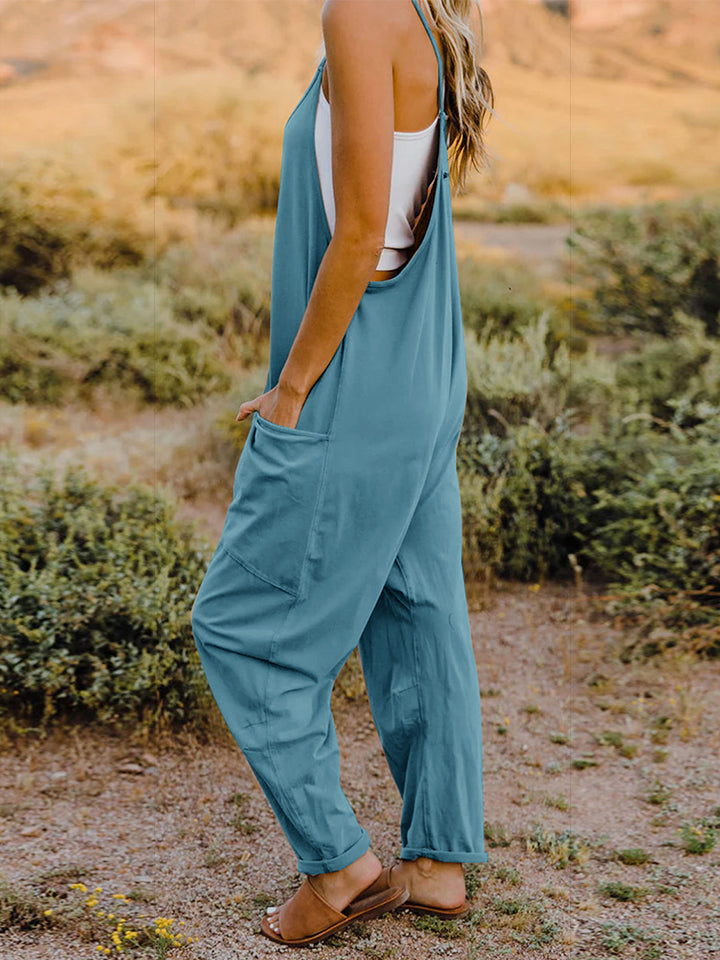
x: 619, y: 101
x: 647, y: 40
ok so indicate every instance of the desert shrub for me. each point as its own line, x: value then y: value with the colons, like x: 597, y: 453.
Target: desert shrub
x: 638, y: 509
x: 656, y: 538
x: 558, y: 6
x: 224, y: 284
x: 498, y: 299
x: 515, y: 377
x: 31, y: 253
x: 104, y: 329
x: 521, y: 211
x: 672, y: 379
x: 520, y: 501
x: 658, y: 520
x: 644, y: 266
x: 96, y: 588
x: 44, y: 233
x: 219, y: 141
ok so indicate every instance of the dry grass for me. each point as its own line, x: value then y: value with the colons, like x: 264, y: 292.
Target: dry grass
x: 193, y: 124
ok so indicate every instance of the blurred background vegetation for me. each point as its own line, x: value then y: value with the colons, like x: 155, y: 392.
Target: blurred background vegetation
x: 138, y: 180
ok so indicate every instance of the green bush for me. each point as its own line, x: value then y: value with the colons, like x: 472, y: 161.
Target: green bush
x: 530, y: 211
x: 512, y: 378
x: 645, y: 266
x: 521, y: 502
x: 96, y: 588
x: 225, y: 285
x: 41, y: 243
x: 638, y: 509
x: 657, y: 542
x: 676, y: 379
x: 104, y: 329
x: 515, y: 378
x: 32, y: 254
x: 498, y: 299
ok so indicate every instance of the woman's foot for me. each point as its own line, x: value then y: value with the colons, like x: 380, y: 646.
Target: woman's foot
x: 340, y: 887
x: 434, y: 883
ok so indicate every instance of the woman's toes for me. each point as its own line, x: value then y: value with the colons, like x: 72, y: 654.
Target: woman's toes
x: 271, y: 910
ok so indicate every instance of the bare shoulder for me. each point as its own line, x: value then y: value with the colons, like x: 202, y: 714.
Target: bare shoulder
x: 365, y: 21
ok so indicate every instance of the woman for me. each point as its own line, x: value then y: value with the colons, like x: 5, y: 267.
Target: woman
x: 345, y: 524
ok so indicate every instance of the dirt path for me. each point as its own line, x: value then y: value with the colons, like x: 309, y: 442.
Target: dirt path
x: 168, y: 831
x: 539, y: 243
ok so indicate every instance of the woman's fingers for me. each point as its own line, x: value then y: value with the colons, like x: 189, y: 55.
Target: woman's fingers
x: 247, y: 408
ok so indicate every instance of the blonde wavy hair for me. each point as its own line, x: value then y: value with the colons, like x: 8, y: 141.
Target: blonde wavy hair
x: 468, y: 93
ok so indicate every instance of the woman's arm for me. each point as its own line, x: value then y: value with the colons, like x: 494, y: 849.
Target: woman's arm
x: 359, y: 51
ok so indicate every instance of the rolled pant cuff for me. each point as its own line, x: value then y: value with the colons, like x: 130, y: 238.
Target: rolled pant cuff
x: 339, y: 862
x: 451, y: 856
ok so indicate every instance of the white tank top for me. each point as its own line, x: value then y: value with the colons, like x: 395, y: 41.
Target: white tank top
x: 413, y: 166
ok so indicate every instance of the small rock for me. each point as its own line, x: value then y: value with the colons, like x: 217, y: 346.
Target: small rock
x: 25, y: 781
x: 149, y: 759
x: 133, y: 768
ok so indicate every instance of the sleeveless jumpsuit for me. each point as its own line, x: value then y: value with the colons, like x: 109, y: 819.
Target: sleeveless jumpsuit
x: 346, y: 531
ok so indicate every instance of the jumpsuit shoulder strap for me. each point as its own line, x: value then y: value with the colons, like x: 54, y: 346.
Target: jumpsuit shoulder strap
x: 441, y: 90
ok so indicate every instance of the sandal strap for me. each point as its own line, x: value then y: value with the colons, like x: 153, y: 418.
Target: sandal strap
x: 306, y: 913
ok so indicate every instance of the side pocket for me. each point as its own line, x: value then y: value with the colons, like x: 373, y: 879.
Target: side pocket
x: 406, y: 710
x: 399, y: 726
x: 275, y: 493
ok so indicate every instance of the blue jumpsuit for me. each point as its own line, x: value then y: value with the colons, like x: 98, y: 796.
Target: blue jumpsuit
x: 347, y: 531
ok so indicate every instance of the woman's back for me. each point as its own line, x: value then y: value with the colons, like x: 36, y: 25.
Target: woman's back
x: 414, y: 103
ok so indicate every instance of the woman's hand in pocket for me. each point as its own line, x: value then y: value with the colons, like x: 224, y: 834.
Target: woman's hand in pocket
x: 277, y: 405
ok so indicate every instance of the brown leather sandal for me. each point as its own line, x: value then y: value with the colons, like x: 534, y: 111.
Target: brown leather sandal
x: 446, y: 913
x: 307, y: 917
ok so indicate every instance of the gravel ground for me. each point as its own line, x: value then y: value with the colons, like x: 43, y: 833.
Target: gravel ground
x: 157, y: 820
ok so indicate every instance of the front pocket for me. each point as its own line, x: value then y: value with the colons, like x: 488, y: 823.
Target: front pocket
x: 275, y: 493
